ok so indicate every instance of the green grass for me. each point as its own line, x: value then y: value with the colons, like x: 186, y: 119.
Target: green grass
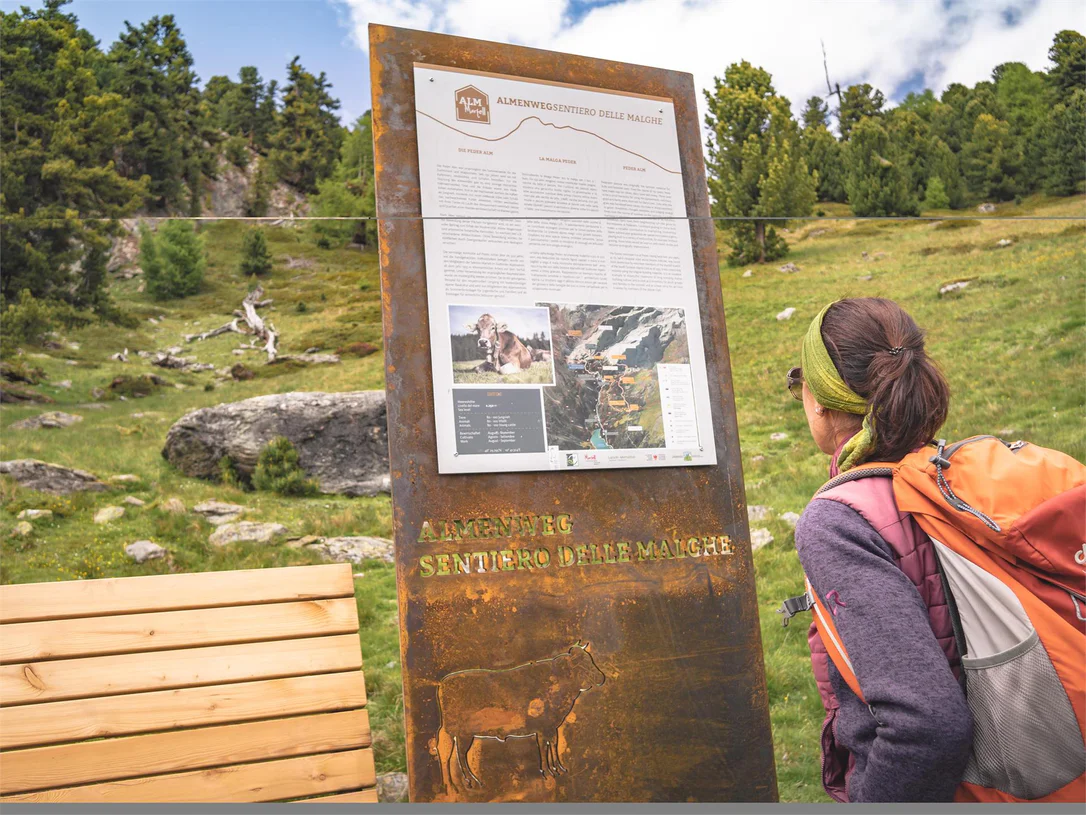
x: 464, y: 373
x: 1011, y: 345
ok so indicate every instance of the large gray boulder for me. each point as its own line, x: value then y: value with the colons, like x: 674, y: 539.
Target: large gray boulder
x: 341, y: 438
x: 51, y: 478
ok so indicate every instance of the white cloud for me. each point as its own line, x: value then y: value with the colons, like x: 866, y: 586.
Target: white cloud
x: 884, y: 42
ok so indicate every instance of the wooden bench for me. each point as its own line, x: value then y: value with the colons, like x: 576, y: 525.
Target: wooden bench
x: 240, y: 686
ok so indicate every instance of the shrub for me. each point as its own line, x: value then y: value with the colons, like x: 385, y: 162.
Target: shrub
x: 278, y: 470
x: 255, y: 259
x: 230, y: 475
x: 172, y: 259
x: 25, y: 321
x: 323, y: 242
x: 136, y: 387
x: 18, y: 371
x: 301, y: 308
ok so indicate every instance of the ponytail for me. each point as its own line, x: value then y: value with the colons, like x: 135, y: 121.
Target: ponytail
x: 879, y: 351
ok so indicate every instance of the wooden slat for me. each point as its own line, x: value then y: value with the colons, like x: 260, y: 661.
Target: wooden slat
x: 23, y: 683
x: 127, y: 633
x: 244, y: 783
x: 358, y: 797
x: 134, y: 756
x: 26, y: 602
x: 56, y: 722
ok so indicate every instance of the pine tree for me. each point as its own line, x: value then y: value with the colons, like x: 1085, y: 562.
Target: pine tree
x: 1068, y: 72
x: 254, y: 253
x: 876, y: 185
x: 825, y: 156
x: 992, y: 159
x: 910, y: 142
x: 1064, y: 158
x: 935, y: 196
x: 816, y: 113
x: 349, y: 191
x: 59, y: 131
x: 305, y: 146
x: 172, y: 259
x: 151, y: 68
x: 755, y: 163
x: 944, y: 165
x: 858, y: 102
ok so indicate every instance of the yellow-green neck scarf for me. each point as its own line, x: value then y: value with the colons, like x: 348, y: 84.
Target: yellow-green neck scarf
x: 830, y: 390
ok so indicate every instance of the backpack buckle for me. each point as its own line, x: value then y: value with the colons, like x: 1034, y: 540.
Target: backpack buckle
x: 793, y: 606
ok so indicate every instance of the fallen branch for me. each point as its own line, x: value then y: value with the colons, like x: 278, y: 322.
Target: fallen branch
x: 231, y: 326
x: 264, y: 332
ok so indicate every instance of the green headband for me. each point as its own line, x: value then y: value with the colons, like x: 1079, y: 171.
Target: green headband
x: 830, y: 391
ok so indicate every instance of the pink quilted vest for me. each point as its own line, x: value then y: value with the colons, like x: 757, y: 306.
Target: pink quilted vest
x: 873, y: 499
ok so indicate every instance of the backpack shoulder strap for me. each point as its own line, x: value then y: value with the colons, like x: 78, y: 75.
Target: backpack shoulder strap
x: 831, y: 640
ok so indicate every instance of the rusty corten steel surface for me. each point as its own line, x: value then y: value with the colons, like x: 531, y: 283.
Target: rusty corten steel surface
x: 609, y: 679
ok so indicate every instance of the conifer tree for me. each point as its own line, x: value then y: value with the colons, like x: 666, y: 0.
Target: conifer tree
x: 858, y: 102
x: 755, y: 162
x: 876, y: 185
x: 255, y: 258
x: 1064, y: 157
x: 992, y: 159
x: 59, y: 131
x: 307, y: 138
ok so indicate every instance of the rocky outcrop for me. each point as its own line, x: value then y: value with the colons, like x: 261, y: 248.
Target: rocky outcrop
x: 354, y: 549
x: 246, y: 531
x: 51, y: 478
x: 227, y: 194
x: 53, y: 419
x: 341, y: 438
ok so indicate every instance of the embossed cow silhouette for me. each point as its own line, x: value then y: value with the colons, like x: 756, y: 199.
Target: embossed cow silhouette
x: 504, y: 351
x: 530, y: 700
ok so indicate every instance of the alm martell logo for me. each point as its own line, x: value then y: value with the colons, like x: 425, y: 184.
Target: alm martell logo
x: 472, y: 105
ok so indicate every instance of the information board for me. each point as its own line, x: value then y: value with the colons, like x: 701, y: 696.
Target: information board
x: 591, y: 634
x: 564, y: 324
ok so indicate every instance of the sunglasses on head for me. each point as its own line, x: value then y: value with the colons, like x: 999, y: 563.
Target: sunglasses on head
x: 795, y: 383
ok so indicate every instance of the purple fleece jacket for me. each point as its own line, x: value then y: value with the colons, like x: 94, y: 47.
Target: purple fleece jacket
x: 913, y: 742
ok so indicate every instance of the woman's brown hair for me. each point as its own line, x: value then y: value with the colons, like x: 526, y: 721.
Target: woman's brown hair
x: 879, y: 351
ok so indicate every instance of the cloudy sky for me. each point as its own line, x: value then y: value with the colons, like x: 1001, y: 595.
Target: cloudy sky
x: 896, y: 45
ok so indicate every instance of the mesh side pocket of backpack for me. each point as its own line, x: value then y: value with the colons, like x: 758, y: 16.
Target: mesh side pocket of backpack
x: 1026, y: 738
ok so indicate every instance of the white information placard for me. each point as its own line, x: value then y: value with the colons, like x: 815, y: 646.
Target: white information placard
x: 564, y: 320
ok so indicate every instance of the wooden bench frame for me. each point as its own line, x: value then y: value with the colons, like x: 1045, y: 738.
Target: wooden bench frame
x: 241, y: 686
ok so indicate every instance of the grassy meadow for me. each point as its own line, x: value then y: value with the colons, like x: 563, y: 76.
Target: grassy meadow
x: 1011, y: 344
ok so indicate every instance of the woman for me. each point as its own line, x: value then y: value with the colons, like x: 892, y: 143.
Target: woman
x: 871, y: 393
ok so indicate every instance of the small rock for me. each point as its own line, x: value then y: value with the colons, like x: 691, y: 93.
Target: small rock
x: 174, y: 505
x: 949, y: 287
x: 358, y: 575
x: 759, y: 538
x: 790, y: 268
x: 97, y: 393
x: 70, y: 362
x: 790, y: 518
x: 392, y: 788
x: 218, y: 513
x: 863, y: 255
x: 152, y: 321
x: 865, y: 277
x: 53, y: 419
x: 64, y: 383
x: 133, y: 501
x: 756, y: 459
x: 986, y: 208
x: 31, y: 514
x: 238, y: 352
x: 355, y: 549
x: 748, y: 273
x: 778, y: 436
x: 312, y: 349
x: 1004, y: 243
x: 757, y: 513
x: 125, y: 478
x: 246, y: 531
x: 93, y: 406
x: 22, y: 529
x: 786, y: 314
x: 141, y: 551
x: 108, y: 514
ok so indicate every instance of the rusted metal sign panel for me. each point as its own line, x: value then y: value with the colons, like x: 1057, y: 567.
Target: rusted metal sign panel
x: 566, y: 636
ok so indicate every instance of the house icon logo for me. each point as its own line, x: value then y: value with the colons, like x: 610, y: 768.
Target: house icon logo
x: 472, y: 105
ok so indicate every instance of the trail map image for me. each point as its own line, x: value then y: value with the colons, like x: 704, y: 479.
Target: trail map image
x: 607, y: 391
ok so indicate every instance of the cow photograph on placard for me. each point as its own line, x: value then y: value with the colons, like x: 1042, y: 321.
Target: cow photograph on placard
x: 500, y: 345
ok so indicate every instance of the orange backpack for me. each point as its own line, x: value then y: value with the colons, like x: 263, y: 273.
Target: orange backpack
x: 1008, y: 524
